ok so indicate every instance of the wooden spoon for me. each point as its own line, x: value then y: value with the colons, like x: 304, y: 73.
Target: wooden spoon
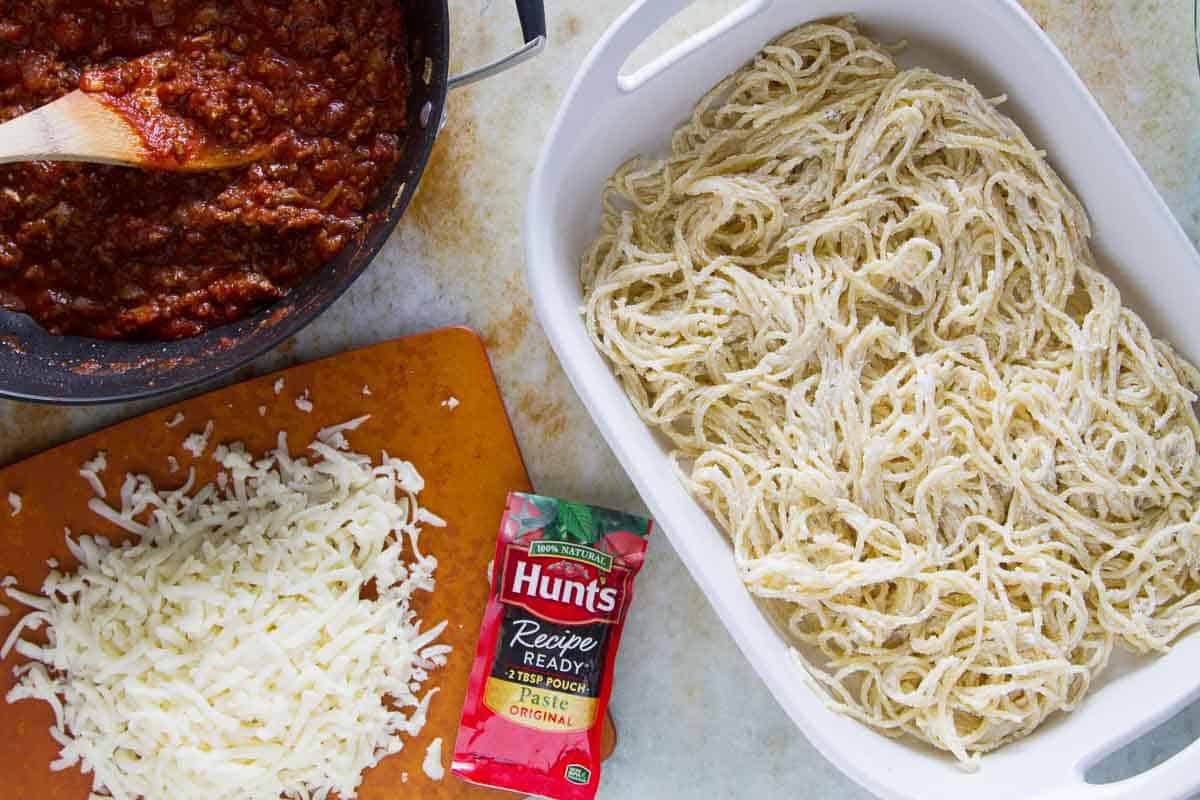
x: 130, y: 131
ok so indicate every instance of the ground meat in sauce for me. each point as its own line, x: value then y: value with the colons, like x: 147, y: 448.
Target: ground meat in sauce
x: 121, y: 253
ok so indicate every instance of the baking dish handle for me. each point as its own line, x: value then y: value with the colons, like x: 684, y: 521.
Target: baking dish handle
x: 1177, y: 778
x: 533, y: 30
x: 638, y: 23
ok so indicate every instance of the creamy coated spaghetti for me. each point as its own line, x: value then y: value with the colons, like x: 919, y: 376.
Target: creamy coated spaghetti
x: 862, y: 307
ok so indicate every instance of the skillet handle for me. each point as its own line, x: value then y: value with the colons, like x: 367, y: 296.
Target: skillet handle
x: 532, y: 14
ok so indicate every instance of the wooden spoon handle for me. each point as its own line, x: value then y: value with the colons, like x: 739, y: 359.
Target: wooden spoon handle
x: 76, y: 127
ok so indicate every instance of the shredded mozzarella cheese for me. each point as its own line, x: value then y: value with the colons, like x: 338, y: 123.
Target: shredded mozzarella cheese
x: 335, y: 438
x: 229, y: 653
x: 91, y: 470
x: 197, y: 443
x: 432, y: 764
x: 304, y: 403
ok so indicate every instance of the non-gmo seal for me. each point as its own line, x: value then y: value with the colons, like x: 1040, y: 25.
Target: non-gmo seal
x: 578, y: 774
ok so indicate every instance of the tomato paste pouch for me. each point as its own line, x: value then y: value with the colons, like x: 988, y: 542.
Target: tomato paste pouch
x: 561, y: 586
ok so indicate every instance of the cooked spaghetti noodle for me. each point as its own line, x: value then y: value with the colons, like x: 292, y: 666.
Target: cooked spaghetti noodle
x: 862, y: 307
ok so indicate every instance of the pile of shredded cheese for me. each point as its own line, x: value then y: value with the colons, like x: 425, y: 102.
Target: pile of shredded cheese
x: 862, y: 307
x: 256, y: 641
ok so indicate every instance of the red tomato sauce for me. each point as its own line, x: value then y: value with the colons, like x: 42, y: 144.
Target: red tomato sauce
x: 119, y: 253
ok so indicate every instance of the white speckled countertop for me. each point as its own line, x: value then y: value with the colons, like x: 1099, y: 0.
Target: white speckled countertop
x: 694, y: 721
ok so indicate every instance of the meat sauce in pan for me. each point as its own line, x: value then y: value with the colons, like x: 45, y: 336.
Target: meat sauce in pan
x: 320, y: 86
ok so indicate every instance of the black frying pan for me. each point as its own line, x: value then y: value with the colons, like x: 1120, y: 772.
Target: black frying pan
x: 74, y: 370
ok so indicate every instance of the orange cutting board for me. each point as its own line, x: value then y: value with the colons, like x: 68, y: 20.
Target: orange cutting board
x: 467, y: 455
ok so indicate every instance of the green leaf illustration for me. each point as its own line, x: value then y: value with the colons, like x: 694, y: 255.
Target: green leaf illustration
x: 576, y: 522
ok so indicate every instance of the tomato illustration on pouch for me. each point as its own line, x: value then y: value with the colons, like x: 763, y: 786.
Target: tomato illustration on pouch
x: 627, y: 547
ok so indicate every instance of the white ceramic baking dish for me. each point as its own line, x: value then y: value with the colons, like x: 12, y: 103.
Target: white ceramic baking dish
x: 608, y: 117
